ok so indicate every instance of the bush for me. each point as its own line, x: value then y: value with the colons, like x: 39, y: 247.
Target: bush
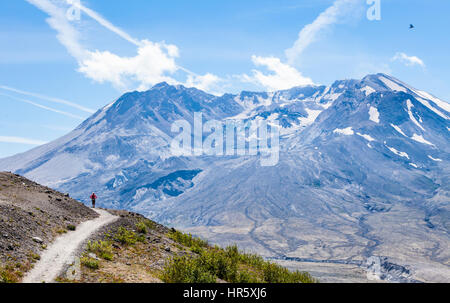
x: 185, y: 270
x: 33, y: 256
x: 141, y: 227
x: 71, y: 227
x: 274, y: 273
x: 227, y: 264
x: 127, y: 237
x: 102, y: 249
x: 61, y: 230
x: 8, y: 275
x: 187, y: 239
x: 90, y: 263
x: 197, y: 249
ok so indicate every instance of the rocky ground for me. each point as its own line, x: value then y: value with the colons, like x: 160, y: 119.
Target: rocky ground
x: 53, y: 238
x: 140, y: 262
x: 31, y: 217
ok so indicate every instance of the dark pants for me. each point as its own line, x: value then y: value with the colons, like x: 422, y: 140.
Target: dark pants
x: 93, y: 203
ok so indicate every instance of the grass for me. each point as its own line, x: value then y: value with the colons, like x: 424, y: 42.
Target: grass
x: 211, y: 264
x: 33, y: 256
x: 9, y: 274
x: 61, y: 230
x: 13, y: 273
x: 103, y: 249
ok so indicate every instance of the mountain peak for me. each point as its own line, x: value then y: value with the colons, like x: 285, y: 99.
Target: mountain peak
x: 161, y: 85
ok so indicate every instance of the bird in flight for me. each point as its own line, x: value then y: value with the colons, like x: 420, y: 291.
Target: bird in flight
x: 411, y: 26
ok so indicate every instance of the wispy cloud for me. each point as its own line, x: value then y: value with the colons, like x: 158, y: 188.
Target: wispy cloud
x: 154, y: 62
x: 309, y: 34
x: 47, y: 98
x: 284, y: 75
x: 43, y: 106
x: 105, y: 23
x: 408, y: 60
x: 21, y: 140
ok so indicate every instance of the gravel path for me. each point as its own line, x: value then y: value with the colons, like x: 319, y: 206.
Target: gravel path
x: 63, y: 250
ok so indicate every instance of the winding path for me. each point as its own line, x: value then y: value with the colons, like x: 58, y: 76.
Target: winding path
x: 63, y: 250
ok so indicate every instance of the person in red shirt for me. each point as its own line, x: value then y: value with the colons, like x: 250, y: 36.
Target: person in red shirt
x: 93, y: 198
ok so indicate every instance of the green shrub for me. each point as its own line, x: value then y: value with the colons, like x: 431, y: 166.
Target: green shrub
x: 197, y: 249
x: 33, y: 256
x: 102, y: 249
x: 61, y: 230
x: 185, y: 270
x: 274, y: 273
x: 127, y: 237
x: 142, y: 227
x: 89, y: 263
x: 229, y: 264
x: 187, y: 239
x: 71, y: 227
x: 8, y: 275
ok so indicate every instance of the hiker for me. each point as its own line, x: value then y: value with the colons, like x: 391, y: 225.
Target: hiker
x: 93, y: 198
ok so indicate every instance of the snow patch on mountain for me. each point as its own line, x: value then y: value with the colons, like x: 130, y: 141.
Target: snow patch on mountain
x: 398, y: 153
x: 374, y: 114
x: 435, y: 159
x: 398, y: 129
x: 311, y: 118
x: 368, y: 90
x: 421, y: 139
x: 411, y: 115
x: 392, y: 85
x: 427, y: 104
x: 334, y: 96
x: 346, y: 131
x: 367, y: 137
x: 440, y: 103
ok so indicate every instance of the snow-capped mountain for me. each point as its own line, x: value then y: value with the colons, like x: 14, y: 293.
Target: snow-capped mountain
x: 363, y: 171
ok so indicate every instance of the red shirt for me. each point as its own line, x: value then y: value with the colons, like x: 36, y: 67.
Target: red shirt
x: 93, y: 197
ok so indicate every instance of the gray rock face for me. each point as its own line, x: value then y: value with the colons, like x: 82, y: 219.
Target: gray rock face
x: 363, y: 172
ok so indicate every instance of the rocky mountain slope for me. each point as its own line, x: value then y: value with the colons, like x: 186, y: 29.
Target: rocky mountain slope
x: 48, y: 237
x: 363, y: 172
x: 31, y: 217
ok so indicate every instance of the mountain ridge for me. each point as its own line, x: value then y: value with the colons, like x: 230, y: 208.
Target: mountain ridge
x: 353, y: 155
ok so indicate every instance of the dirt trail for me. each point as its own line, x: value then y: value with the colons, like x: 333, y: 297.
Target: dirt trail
x: 62, y: 251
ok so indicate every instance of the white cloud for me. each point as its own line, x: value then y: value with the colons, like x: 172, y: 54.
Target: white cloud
x: 283, y: 76
x: 67, y: 34
x: 97, y: 17
x: 408, y: 60
x: 310, y: 32
x: 147, y: 68
x: 154, y: 62
x: 20, y: 140
x: 206, y: 82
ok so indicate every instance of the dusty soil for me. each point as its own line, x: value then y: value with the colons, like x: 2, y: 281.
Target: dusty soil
x: 29, y: 210
x: 33, y: 218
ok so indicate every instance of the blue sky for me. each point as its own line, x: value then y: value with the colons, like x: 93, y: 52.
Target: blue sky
x: 56, y: 70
